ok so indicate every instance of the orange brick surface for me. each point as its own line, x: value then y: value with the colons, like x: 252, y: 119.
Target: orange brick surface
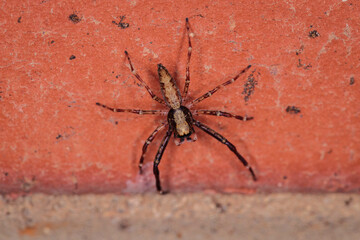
x: 60, y: 57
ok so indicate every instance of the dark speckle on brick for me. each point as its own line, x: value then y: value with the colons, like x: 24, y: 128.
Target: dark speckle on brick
x: 293, y: 110
x: 121, y: 24
x: 72, y: 57
x: 314, y: 34
x: 58, y: 136
x: 352, y: 80
x: 249, y: 87
x: 304, y: 66
x: 300, y: 50
x: 74, y: 18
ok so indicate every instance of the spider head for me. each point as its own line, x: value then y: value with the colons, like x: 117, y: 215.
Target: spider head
x: 180, y: 140
x: 181, y: 122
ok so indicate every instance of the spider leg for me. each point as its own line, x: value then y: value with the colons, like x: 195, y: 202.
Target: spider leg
x: 147, y: 142
x: 222, y: 114
x: 211, y: 92
x: 187, y: 80
x: 227, y: 143
x: 159, y: 154
x: 136, y: 111
x: 153, y: 96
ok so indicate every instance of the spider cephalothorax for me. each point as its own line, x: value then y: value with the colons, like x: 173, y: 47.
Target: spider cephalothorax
x: 181, y: 122
x: 180, y: 119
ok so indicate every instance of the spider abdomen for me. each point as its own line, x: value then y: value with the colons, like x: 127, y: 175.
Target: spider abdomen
x: 169, y: 88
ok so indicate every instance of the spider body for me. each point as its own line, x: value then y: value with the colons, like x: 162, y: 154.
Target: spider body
x: 181, y: 122
x: 169, y: 89
x: 180, y: 119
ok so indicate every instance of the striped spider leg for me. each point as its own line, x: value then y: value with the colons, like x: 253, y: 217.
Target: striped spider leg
x: 136, y: 111
x: 227, y: 143
x: 210, y: 131
x: 147, y: 143
x: 142, y: 112
x: 221, y: 113
x: 133, y: 71
x: 187, y: 80
x: 158, y: 157
x: 211, y: 92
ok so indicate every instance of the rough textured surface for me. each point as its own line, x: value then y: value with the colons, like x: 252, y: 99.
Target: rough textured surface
x: 185, y: 216
x: 60, y: 57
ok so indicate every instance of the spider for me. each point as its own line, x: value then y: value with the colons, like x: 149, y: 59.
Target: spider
x: 180, y: 119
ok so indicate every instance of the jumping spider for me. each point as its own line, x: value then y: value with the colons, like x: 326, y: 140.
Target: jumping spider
x: 179, y: 117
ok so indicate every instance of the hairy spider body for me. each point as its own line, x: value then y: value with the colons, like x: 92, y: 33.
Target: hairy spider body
x: 180, y: 119
x: 169, y: 89
x: 181, y: 122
